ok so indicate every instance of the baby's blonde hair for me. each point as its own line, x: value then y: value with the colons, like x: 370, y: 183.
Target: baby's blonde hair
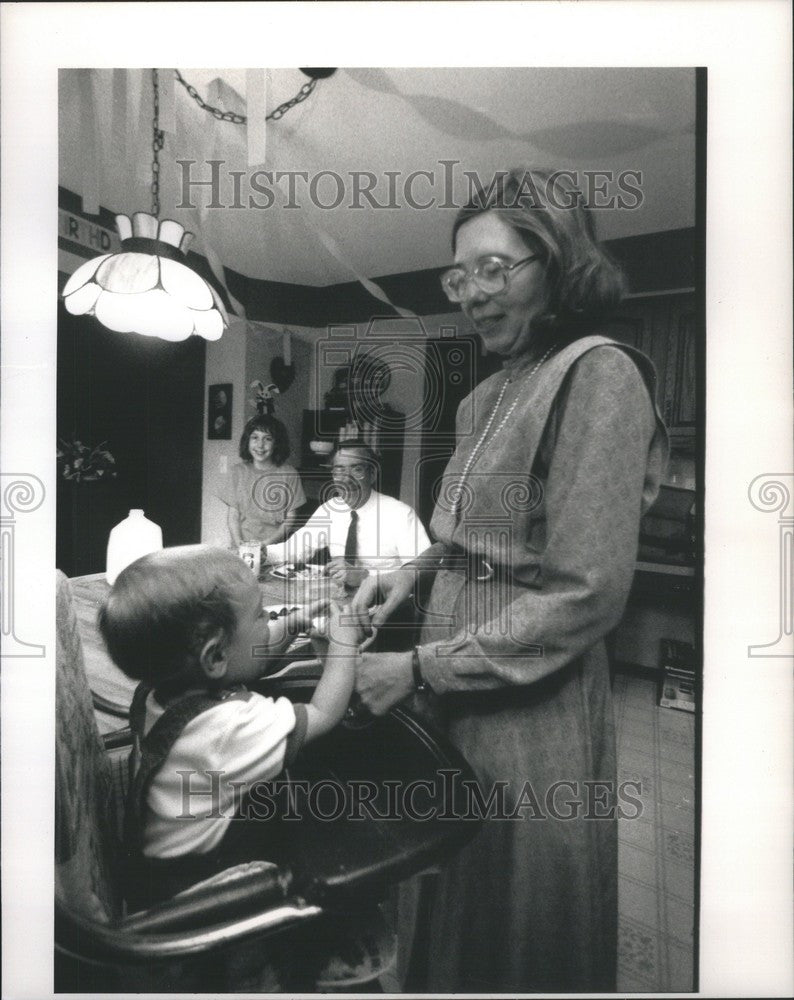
x: 163, y: 607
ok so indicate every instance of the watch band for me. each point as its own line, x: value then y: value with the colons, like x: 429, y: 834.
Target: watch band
x: 419, y: 683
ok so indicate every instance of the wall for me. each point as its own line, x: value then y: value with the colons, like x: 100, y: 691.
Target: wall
x: 143, y: 398
x: 400, y: 342
x: 225, y: 362
x: 264, y: 344
x: 243, y: 354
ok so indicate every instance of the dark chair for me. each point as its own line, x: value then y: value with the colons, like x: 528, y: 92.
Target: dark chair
x: 252, y: 927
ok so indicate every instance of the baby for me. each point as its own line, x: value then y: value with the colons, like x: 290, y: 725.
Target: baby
x: 184, y: 622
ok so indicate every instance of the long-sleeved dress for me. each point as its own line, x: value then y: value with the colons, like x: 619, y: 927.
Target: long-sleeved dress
x: 518, y: 668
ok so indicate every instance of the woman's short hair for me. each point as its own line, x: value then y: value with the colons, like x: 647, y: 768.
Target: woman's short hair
x: 163, y: 608
x: 275, y: 428
x: 547, y: 210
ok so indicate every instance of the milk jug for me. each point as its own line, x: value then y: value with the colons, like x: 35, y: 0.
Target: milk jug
x: 132, y: 538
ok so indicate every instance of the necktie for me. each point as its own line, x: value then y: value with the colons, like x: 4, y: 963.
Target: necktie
x: 351, y: 543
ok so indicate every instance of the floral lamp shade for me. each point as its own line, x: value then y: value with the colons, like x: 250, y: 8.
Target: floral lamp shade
x: 147, y: 288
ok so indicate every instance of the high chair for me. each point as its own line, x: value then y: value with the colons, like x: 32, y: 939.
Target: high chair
x: 253, y: 927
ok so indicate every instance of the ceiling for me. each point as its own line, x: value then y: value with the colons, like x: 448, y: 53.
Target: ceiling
x: 388, y: 124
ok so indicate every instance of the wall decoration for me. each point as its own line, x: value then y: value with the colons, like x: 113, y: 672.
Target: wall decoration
x: 265, y: 401
x: 283, y: 374
x: 219, y: 412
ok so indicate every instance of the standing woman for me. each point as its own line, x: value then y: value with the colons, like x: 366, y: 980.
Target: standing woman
x: 265, y: 491
x: 536, y: 530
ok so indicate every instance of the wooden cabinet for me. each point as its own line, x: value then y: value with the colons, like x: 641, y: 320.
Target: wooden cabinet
x: 662, y: 605
x: 664, y: 326
x: 664, y: 600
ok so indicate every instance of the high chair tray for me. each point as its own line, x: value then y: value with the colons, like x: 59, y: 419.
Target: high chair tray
x: 365, y: 807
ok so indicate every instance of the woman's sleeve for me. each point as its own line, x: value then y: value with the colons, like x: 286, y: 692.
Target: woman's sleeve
x: 599, y: 436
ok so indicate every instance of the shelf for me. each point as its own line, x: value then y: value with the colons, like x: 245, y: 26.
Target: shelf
x: 668, y: 569
x: 661, y: 291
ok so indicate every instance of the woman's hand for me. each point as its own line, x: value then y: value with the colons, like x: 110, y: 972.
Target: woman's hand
x: 395, y: 587
x: 383, y: 680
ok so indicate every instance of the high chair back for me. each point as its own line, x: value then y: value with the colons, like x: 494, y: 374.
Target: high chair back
x: 85, y: 812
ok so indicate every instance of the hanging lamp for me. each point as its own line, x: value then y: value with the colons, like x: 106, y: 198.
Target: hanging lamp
x: 147, y: 287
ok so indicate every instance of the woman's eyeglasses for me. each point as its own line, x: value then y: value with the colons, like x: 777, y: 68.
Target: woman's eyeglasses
x: 489, y: 274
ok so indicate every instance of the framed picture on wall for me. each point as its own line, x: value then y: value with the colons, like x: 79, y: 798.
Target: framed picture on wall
x: 219, y: 412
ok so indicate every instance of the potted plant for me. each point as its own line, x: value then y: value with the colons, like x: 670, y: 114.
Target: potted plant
x: 85, y: 505
x: 80, y: 463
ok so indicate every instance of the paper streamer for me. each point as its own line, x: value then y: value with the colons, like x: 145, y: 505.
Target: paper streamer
x: 199, y: 218
x: 337, y: 252
x: 333, y: 247
x: 119, y: 116
x: 88, y: 143
x: 222, y: 94
x: 256, y: 105
x: 143, y: 153
x: 200, y: 214
x: 132, y: 149
x: 452, y: 117
x: 166, y: 82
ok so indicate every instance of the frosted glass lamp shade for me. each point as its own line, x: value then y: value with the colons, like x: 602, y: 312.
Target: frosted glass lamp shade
x: 147, y: 288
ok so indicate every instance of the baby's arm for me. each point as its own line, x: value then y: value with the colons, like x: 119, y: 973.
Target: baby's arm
x: 335, y: 687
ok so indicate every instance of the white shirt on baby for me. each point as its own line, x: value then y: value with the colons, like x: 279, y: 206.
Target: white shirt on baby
x: 244, y: 741
x: 389, y: 534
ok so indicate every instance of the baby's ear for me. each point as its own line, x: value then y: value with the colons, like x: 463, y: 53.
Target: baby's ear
x: 212, y: 656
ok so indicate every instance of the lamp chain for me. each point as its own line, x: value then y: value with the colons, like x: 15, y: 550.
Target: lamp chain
x: 231, y: 116
x: 158, y: 141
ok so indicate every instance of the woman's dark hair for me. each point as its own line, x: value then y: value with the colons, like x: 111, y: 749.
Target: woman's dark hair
x: 547, y: 210
x: 275, y: 428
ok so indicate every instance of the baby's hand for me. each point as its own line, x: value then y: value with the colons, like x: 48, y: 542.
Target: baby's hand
x: 344, y: 626
x: 310, y: 615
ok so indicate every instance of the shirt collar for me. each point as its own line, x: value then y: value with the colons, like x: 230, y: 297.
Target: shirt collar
x: 372, y: 501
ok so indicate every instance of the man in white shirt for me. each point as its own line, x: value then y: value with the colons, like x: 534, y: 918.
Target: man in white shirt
x: 363, y: 530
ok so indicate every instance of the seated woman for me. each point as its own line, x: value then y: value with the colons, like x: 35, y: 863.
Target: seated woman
x: 264, y: 491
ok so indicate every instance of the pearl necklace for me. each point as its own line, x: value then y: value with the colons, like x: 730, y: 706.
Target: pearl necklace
x: 458, y: 490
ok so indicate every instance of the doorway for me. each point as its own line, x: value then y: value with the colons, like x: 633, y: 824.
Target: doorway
x: 143, y: 399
